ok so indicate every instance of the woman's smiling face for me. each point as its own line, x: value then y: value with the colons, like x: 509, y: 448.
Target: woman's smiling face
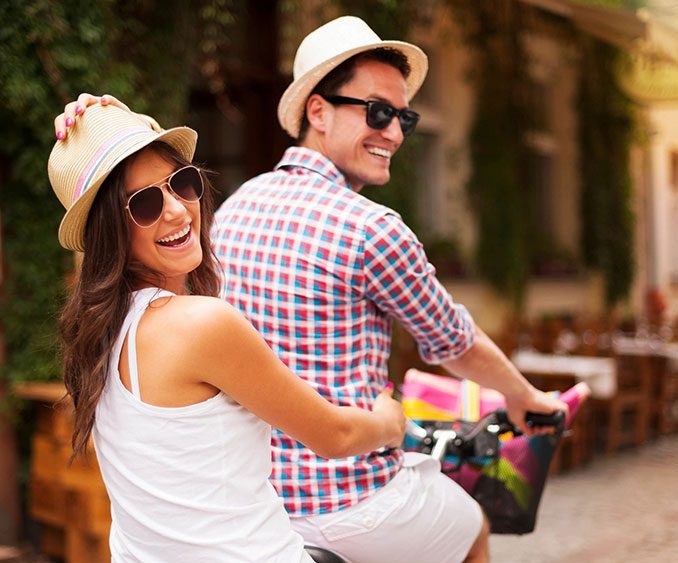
x: 171, y: 246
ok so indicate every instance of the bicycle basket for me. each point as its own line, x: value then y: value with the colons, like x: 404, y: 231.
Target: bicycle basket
x: 508, y: 485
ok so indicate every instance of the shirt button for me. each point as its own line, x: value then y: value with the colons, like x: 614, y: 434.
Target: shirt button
x: 368, y: 520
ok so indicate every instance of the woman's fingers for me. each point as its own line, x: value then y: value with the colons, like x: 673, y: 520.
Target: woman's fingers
x: 84, y: 101
x: 69, y: 114
x: 64, y: 122
x: 60, y: 127
x: 108, y: 100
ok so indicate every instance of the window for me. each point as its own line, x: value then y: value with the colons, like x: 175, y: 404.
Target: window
x: 550, y: 215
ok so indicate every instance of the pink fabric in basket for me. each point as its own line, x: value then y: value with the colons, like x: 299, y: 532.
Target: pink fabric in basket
x: 451, y: 397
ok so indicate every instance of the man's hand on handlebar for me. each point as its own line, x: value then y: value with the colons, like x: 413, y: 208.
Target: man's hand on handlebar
x: 537, y: 402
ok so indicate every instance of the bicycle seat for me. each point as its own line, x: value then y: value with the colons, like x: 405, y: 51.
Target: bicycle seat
x: 320, y: 555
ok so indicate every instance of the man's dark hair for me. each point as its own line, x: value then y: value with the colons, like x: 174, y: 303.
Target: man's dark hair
x: 343, y: 73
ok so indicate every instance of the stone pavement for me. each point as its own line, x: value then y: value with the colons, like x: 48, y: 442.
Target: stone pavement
x: 616, y: 509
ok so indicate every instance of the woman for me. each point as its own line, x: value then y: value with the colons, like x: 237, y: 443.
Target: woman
x: 175, y: 386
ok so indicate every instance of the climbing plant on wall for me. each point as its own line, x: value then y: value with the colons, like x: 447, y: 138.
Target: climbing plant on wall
x: 496, y: 188
x: 144, y: 53
x: 606, y: 134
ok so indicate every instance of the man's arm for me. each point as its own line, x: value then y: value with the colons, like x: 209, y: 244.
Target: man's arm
x: 487, y: 365
x: 402, y: 283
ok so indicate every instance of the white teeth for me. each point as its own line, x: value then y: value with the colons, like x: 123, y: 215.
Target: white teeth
x: 379, y: 152
x: 182, y: 233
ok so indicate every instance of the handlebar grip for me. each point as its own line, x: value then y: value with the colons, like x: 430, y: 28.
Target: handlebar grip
x: 554, y: 419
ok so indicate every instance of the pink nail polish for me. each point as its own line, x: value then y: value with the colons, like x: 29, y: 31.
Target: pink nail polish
x: 60, y: 135
x: 69, y: 121
x: 104, y: 100
x: 389, y: 385
x: 78, y: 110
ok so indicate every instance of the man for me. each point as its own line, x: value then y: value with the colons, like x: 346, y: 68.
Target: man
x: 321, y: 272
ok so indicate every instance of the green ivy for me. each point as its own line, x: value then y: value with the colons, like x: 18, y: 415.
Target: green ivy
x: 496, y: 188
x: 607, y: 242
x: 143, y: 52
x: 48, y: 52
x: 390, y: 19
x: 508, y: 241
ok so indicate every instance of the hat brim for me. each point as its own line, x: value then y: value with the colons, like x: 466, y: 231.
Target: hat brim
x: 292, y: 104
x: 72, y: 227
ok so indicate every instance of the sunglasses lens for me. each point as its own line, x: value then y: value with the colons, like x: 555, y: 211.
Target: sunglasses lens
x: 187, y: 184
x: 379, y: 115
x: 408, y: 121
x: 145, y: 206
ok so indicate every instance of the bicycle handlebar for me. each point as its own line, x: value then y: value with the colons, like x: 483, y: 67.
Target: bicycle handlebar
x: 534, y: 419
x: 480, y: 438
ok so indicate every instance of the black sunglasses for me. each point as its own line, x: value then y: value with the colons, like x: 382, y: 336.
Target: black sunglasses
x: 145, y: 205
x: 379, y: 114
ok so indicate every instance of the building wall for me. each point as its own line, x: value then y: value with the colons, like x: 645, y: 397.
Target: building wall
x: 446, y: 104
x: 661, y: 218
x: 448, y: 110
x: 579, y: 297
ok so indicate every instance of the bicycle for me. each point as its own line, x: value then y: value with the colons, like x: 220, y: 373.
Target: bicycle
x: 461, y: 444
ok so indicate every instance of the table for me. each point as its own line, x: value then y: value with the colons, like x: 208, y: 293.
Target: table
x: 599, y: 373
x: 550, y: 372
x: 621, y: 389
x: 647, y: 347
x: 660, y: 360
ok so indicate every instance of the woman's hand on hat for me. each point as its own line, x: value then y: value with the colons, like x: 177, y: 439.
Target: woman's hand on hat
x: 64, y: 121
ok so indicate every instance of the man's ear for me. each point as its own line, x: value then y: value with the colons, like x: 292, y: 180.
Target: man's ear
x: 316, y: 112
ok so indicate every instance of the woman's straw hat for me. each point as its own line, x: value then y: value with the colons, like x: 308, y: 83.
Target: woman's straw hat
x: 327, y: 47
x: 102, y: 137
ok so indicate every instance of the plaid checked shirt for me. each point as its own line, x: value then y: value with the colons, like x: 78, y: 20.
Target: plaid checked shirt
x: 320, y: 271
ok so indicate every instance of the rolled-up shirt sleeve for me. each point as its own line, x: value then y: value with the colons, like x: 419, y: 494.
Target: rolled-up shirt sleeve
x: 402, y: 283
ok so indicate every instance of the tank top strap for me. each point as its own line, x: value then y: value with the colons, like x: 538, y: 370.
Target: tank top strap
x: 142, y: 299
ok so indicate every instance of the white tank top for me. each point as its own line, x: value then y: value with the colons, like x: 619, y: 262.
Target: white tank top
x: 186, y: 483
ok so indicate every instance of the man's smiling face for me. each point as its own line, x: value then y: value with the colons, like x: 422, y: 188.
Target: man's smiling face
x: 361, y: 153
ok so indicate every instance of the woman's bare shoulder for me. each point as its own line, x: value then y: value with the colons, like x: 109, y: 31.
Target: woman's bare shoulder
x: 195, y: 312
x: 196, y: 333
x: 203, y: 321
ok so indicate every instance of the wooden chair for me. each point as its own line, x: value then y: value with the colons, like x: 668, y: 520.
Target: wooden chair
x: 625, y: 417
x: 576, y: 447
x: 69, y: 502
x: 664, y: 408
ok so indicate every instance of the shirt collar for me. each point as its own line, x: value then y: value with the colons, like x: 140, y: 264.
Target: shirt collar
x: 302, y: 157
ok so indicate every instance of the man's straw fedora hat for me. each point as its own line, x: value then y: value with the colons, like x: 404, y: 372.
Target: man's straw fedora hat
x: 327, y: 47
x: 101, y: 138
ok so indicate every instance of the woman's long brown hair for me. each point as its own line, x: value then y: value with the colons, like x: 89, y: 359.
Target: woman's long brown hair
x: 101, y: 295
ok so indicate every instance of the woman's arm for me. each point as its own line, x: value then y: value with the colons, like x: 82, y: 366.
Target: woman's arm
x: 228, y: 353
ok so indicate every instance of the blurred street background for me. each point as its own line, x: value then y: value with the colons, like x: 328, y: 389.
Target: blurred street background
x: 615, y: 510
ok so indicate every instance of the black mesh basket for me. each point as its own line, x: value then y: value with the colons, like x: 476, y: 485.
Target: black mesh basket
x: 508, y: 483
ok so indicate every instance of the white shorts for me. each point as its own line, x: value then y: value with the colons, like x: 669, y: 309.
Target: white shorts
x: 420, y: 515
